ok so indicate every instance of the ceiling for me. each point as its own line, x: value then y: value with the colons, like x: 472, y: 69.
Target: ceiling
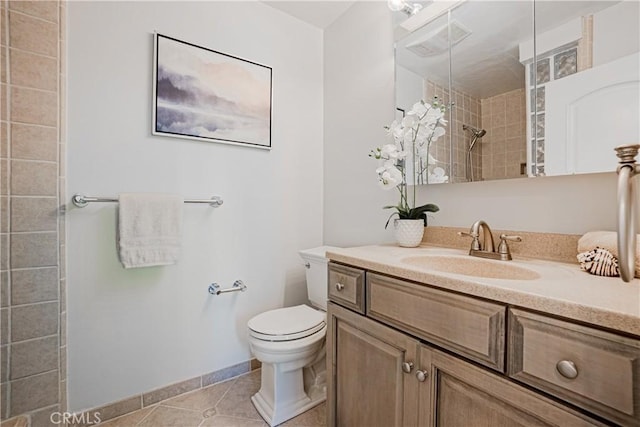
x: 320, y: 14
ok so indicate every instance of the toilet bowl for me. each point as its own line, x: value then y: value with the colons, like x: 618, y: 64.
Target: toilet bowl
x: 290, y: 344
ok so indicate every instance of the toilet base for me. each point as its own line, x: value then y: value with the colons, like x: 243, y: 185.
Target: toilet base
x: 295, y: 391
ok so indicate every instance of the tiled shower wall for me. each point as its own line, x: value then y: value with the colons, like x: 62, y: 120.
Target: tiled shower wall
x: 33, y: 339
x: 464, y: 110
x: 504, y: 147
x: 501, y: 152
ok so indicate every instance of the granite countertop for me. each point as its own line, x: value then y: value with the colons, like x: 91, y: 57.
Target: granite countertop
x: 556, y: 288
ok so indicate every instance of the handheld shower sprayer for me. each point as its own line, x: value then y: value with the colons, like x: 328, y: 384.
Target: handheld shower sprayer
x: 477, y: 134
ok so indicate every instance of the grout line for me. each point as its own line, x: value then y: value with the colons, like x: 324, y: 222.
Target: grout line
x: 30, y: 124
x: 146, y: 416
x: 29, y: 268
x: 30, y: 16
x: 32, y: 339
x: 178, y: 407
x: 55, y: 92
x: 53, y: 162
x: 35, y: 303
x: 17, y: 49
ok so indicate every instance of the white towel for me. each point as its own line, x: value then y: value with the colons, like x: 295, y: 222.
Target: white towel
x: 149, y: 229
x: 606, y: 240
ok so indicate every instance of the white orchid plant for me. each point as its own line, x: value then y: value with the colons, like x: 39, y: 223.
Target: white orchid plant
x: 412, y: 139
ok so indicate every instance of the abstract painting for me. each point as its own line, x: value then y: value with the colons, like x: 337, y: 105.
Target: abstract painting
x: 207, y: 95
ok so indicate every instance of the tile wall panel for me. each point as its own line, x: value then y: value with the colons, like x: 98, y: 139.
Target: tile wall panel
x: 31, y: 316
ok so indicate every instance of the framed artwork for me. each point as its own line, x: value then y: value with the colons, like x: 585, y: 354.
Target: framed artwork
x: 202, y: 94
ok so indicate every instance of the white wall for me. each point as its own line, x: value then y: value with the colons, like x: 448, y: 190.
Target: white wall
x: 130, y: 331
x: 359, y: 101
x: 616, y: 32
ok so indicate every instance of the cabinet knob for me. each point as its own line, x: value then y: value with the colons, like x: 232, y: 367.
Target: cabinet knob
x: 339, y: 287
x: 567, y: 369
x: 407, y: 367
x: 422, y: 375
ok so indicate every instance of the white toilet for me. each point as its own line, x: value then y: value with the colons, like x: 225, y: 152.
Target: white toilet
x: 290, y: 344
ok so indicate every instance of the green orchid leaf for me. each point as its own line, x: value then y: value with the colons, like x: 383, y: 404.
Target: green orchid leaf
x: 429, y: 207
x: 389, y: 219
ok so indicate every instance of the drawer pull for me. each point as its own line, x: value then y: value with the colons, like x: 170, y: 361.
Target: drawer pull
x: 407, y: 367
x: 567, y: 369
x: 339, y: 287
x: 422, y: 375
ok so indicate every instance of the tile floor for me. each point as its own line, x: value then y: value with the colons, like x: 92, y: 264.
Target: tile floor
x: 226, y: 404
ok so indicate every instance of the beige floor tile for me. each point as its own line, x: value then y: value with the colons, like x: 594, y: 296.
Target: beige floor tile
x: 15, y: 422
x: 237, y: 401
x: 314, y: 417
x: 128, y: 420
x: 224, y: 421
x: 164, y: 416
x: 200, y: 400
x: 225, y: 404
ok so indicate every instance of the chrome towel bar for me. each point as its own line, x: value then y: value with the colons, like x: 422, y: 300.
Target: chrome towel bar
x: 80, y: 200
x: 627, y: 169
x: 238, y: 285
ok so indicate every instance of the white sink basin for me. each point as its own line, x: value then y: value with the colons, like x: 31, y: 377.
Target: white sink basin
x: 469, y: 266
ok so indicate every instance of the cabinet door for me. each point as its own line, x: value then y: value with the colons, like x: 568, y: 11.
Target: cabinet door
x: 460, y: 394
x: 367, y: 382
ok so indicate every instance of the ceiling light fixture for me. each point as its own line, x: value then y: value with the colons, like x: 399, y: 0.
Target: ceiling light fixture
x: 403, y: 6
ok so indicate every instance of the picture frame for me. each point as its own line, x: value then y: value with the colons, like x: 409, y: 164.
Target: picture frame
x: 206, y: 95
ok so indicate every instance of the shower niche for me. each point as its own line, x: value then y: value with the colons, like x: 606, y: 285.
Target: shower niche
x: 522, y: 83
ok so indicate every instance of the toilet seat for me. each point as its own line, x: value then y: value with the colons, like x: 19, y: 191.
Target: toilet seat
x: 287, y: 324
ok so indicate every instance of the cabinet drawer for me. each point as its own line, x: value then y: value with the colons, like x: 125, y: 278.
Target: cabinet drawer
x: 596, y: 370
x: 346, y: 286
x: 468, y: 326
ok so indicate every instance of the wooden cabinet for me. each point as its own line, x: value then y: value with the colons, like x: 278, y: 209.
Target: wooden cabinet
x: 406, y: 354
x: 594, y: 369
x: 461, y: 394
x: 379, y: 377
x: 366, y: 383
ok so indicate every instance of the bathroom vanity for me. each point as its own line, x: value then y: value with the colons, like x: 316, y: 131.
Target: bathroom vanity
x: 432, y: 337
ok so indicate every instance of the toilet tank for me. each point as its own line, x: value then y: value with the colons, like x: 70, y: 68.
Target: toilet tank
x: 316, y: 268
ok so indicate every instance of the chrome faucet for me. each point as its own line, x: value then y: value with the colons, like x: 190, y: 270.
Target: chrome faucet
x: 486, y: 249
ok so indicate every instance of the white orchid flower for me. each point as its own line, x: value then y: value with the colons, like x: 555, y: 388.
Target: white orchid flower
x: 390, y: 151
x: 410, y: 120
x: 433, y: 115
x: 420, y: 127
x: 389, y: 176
x: 419, y: 108
x: 424, y: 133
x: 438, y: 132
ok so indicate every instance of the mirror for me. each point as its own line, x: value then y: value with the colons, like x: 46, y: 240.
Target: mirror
x: 512, y: 115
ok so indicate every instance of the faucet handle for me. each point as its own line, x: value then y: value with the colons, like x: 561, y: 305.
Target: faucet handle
x: 475, y: 244
x: 503, y: 248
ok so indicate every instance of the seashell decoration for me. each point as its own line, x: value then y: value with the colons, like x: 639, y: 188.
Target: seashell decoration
x: 599, y: 262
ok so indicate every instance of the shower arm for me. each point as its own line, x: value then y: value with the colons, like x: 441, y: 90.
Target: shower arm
x: 626, y: 170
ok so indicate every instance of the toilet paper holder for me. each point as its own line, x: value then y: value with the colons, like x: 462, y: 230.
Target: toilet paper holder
x: 238, y: 285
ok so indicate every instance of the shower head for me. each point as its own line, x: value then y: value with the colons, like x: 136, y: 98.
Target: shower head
x: 477, y: 133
